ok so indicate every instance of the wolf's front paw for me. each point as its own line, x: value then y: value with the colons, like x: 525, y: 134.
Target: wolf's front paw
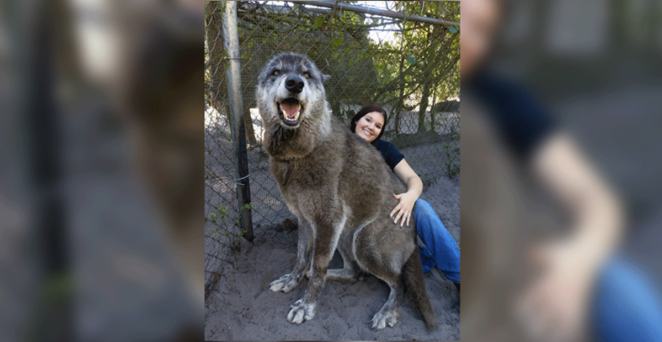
x: 301, y: 312
x: 285, y: 283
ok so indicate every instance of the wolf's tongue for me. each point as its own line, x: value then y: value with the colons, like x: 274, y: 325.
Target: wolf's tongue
x: 290, y: 109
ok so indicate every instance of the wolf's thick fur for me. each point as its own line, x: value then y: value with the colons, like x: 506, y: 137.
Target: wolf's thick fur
x: 341, y: 191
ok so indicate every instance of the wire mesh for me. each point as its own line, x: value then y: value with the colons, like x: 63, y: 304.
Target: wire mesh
x: 408, y: 67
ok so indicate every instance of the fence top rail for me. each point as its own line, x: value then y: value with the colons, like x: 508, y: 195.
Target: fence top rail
x: 376, y: 11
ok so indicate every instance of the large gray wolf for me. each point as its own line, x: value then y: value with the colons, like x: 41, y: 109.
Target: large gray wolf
x: 340, y: 189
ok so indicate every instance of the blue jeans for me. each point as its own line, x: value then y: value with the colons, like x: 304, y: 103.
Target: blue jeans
x: 440, y: 248
x: 626, y: 305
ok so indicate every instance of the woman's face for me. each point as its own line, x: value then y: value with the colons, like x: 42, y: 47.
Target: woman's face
x: 369, y: 126
x: 479, y: 20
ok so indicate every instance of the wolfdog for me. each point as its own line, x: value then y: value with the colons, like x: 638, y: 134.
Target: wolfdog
x: 340, y: 189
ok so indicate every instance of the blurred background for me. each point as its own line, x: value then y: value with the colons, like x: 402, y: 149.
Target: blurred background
x: 88, y: 250
x: 101, y: 163
x: 592, y: 69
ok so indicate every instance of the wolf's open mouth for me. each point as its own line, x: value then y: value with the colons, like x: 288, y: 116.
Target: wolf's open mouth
x: 289, y: 111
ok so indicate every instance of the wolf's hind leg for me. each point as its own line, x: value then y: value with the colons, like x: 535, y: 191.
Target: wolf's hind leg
x: 341, y: 274
x: 289, y: 281
x: 385, y: 262
x: 347, y: 273
x: 388, y: 314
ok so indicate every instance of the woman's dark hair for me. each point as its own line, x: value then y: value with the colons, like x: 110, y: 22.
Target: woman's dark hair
x: 365, y: 110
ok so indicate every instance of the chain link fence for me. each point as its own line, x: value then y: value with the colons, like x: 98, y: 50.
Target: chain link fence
x: 409, y: 67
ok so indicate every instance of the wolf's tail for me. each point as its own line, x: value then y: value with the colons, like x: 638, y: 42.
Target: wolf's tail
x: 412, y: 274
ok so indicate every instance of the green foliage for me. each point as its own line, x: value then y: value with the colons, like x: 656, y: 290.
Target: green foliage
x: 221, y: 229
x: 238, y: 236
x: 222, y: 211
x: 453, y: 156
x: 421, y: 61
x: 218, y: 218
x: 57, y: 287
x: 318, y: 22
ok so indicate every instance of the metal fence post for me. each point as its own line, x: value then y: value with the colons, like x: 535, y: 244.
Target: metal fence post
x: 236, y: 109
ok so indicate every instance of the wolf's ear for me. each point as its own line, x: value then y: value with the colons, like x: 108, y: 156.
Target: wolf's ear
x: 325, y: 78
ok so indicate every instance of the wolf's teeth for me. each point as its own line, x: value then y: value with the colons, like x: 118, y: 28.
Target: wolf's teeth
x: 287, y: 116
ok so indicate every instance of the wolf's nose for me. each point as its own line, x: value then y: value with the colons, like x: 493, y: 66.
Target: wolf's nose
x: 294, y: 84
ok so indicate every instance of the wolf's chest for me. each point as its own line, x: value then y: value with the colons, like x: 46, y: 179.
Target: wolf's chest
x: 304, y: 173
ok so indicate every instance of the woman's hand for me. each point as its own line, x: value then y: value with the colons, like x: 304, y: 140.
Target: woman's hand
x: 405, y: 208
x: 402, y: 211
x: 555, y: 306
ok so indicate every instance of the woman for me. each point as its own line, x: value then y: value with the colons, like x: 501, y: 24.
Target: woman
x: 440, y: 248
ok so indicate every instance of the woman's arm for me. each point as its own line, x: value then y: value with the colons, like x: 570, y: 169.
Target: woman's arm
x: 596, y: 211
x: 414, y: 184
x: 559, y: 299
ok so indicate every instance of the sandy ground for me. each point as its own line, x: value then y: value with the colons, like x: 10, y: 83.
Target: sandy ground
x: 241, y: 306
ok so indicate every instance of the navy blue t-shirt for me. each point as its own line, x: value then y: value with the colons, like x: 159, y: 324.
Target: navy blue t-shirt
x: 390, y: 154
x: 521, y: 120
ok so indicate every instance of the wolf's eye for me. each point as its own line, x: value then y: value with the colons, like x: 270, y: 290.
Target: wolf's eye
x: 306, y: 75
x: 276, y: 73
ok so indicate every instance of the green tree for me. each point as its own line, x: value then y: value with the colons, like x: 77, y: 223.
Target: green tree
x: 422, y: 63
x: 419, y: 67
